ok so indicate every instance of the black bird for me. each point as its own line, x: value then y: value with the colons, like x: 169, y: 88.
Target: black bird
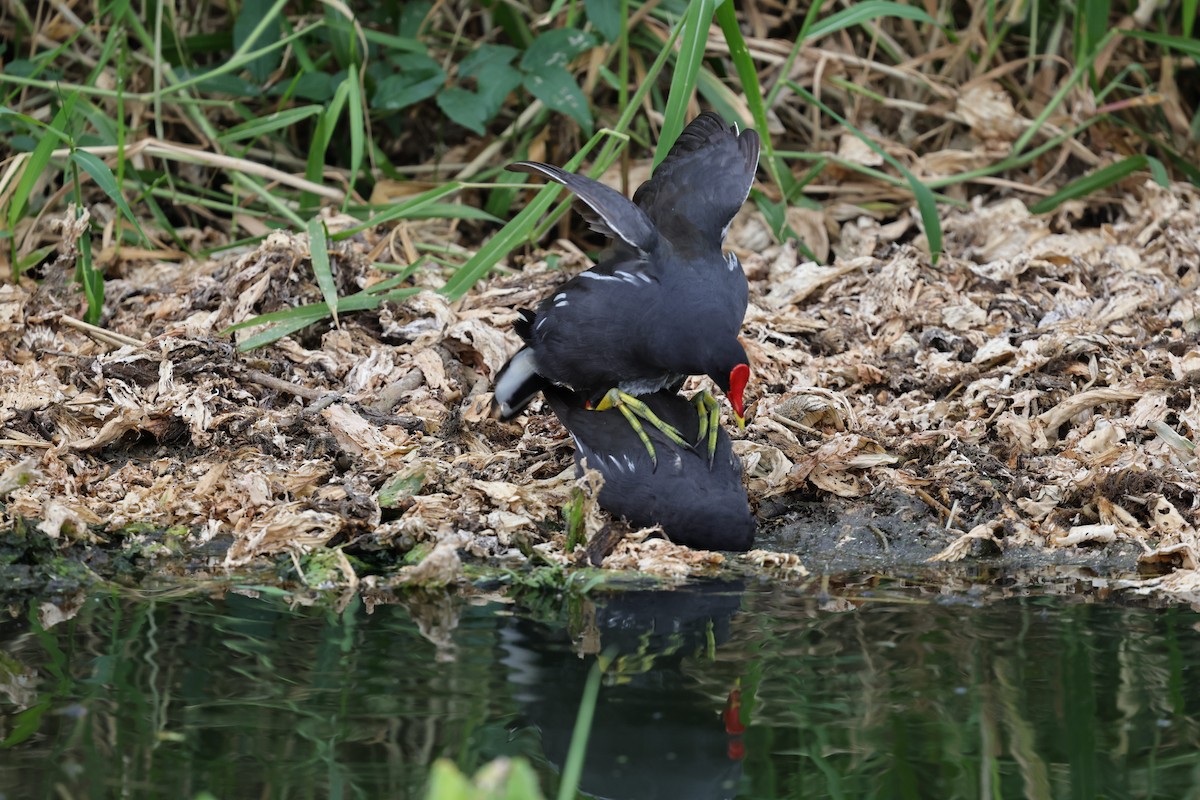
x: 697, y: 504
x: 663, y: 303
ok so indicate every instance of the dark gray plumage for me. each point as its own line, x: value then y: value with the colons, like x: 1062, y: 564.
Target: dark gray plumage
x: 696, y: 505
x: 665, y: 302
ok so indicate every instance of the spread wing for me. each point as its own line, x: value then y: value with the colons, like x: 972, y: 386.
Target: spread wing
x: 703, y: 181
x: 608, y: 211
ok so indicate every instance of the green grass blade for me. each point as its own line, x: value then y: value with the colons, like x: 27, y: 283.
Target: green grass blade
x: 280, y: 120
x: 1186, y: 45
x: 409, y: 209
x: 91, y: 279
x: 519, y: 227
x: 1076, y: 75
x: 573, y: 767
x: 358, y: 133
x: 104, y: 178
x: 683, y: 81
x: 858, y: 13
x: 523, y: 226
x: 1094, y: 181
x: 739, y: 53
x: 291, y: 320
x: 318, y: 248
x: 39, y: 160
x: 810, y: 18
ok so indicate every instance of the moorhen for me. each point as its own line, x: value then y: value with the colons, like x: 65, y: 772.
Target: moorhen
x: 663, y: 303
x: 697, y: 503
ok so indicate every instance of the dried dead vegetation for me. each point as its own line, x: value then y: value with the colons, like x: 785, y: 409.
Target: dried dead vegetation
x: 1036, y: 387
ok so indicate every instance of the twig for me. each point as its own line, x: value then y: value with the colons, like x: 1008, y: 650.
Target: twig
x: 101, y: 334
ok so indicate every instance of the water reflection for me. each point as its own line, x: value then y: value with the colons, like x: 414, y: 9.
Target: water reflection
x: 655, y: 733
x: 714, y: 692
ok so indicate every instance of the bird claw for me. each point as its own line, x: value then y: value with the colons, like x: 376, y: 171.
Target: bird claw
x: 709, y: 411
x: 633, y: 409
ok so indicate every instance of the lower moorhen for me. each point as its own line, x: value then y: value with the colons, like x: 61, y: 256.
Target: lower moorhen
x: 696, y: 504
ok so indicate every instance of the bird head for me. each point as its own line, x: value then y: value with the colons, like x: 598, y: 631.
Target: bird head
x: 730, y: 370
x: 738, y: 377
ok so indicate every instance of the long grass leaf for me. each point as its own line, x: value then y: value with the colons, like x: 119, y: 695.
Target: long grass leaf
x: 692, y: 43
x: 858, y: 13
x: 519, y: 227
x: 743, y: 62
x: 104, y: 178
x: 291, y: 320
x: 409, y: 209
x: 1076, y: 75
x: 358, y: 133
x: 280, y: 120
x: 573, y: 767
x: 39, y: 160
x: 1186, y: 45
x: 1092, y: 182
x: 318, y: 248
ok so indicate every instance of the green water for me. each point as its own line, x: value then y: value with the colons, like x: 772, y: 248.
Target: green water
x: 723, y: 692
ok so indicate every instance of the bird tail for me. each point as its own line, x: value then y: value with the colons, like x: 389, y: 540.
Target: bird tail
x: 517, y: 383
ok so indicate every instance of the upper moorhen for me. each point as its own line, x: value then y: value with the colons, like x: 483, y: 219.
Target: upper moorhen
x: 663, y: 303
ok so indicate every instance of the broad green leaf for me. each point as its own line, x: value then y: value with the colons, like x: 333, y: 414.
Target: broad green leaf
x: 495, y: 85
x: 315, y: 86
x: 251, y: 18
x: 412, y: 17
x: 486, y: 57
x: 474, y: 110
x: 558, y: 90
x: 464, y: 108
x: 605, y: 15
x: 418, y: 79
x: 555, y: 49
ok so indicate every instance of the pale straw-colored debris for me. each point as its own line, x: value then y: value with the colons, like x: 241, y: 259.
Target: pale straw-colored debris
x: 1037, y: 387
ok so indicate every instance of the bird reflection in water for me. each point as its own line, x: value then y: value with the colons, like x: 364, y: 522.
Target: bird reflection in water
x: 654, y: 734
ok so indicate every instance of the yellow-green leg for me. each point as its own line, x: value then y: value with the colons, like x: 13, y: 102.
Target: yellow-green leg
x: 633, y: 408
x: 710, y: 419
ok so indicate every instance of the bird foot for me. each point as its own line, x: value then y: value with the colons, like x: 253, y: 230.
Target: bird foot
x: 709, y: 411
x: 634, y: 411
